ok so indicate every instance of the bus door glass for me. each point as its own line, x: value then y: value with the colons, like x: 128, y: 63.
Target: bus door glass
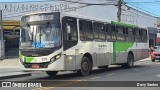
x: 70, y: 36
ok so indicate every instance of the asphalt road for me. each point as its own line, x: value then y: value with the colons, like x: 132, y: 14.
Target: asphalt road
x: 142, y: 71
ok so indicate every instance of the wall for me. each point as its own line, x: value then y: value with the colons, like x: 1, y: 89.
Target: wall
x: 1, y: 38
x: 136, y: 17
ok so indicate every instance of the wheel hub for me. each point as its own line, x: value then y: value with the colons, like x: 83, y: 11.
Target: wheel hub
x: 85, y: 66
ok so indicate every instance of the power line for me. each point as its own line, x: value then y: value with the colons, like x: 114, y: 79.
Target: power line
x: 87, y: 3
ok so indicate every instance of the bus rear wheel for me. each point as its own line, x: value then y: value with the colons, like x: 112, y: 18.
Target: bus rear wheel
x: 52, y: 73
x: 85, y: 67
x: 130, y: 62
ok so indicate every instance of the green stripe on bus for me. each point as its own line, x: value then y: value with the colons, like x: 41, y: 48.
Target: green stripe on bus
x: 123, y: 24
x: 123, y: 46
x: 28, y: 59
x: 120, y: 46
x: 20, y: 55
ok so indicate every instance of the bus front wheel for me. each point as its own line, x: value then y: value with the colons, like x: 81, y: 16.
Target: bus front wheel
x: 85, y: 67
x: 52, y: 73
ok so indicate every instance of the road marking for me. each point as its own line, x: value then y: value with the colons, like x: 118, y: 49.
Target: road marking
x: 81, y: 80
x: 66, y: 84
x: 153, y: 66
x: 158, y: 75
x: 95, y: 78
x: 42, y: 88
x: 143, y: 60
x: 110, y: 74
x: 135, y: 69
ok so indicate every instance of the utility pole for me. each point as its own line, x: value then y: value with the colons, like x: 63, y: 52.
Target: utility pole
x: 119, y: 10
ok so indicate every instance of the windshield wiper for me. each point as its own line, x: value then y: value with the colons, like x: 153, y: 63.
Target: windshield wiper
x: 40, y: 36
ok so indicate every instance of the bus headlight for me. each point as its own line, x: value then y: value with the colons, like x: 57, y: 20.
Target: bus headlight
x: 53, y: 59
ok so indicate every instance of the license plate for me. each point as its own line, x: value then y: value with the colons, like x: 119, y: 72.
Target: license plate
x: 36, y: 66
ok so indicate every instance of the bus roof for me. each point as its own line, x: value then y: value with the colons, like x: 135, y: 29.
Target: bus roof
x: 86, y: 17
x: 73, y: 15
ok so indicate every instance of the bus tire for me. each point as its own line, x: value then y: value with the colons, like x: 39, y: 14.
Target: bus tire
x: 85, y: 67
x: 130, y: 61
x: 51, y: 73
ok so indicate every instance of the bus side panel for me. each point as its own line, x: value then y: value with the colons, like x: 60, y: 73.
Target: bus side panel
x: 70, y: 58
x: 75, y: 54
x: 103, y: 51
x: 142, y: 51
x: 120, y: 51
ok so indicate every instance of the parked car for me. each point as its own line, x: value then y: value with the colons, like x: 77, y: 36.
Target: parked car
x: 155, y: 55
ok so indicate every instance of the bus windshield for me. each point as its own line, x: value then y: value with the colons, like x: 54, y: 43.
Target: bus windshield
x: 44, y: 35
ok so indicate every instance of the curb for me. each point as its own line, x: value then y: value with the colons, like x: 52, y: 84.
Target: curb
x: 147, y: 59
x: 19, y: 74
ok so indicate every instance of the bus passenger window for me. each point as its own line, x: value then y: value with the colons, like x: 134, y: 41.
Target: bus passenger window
x: 68, y: 30
x: 99, y: 32
x: 144, y: 35
x: 129, y: 34
x: 120, y: 33
x: 108, y: 32
x: 114, y: 37
x: 137, y: 36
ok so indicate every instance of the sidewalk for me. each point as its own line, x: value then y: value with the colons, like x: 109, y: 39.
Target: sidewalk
x: 9, y: 68
x: 146, y: 59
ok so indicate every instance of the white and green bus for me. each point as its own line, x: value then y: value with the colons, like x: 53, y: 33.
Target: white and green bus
x: 57, y: 41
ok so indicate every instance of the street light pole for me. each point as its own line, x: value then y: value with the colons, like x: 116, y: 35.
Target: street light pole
x: 119, y: 10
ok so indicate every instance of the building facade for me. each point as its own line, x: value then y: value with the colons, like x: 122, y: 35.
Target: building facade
x: 158, y: 34
x: 2, y: 50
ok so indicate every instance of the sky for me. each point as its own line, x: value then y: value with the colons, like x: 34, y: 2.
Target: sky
x: 151, y: 7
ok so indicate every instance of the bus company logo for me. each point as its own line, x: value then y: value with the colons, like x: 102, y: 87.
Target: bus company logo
x: 6, y: 84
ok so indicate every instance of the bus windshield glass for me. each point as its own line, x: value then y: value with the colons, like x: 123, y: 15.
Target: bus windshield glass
x: 43, y: 35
